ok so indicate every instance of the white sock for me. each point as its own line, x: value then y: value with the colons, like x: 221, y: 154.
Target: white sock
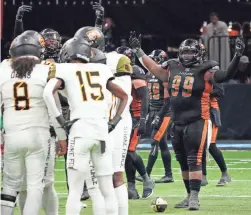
x: 50, y: 200
x: 21, y: 201
x: 98, y: 201
x: 7, y: 207
x: 107, y: 190
x: 33, y: 202
x: 76, y: 184
x: 122, y: 197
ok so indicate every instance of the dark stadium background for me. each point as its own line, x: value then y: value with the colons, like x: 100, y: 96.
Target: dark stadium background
x: 162, y: 22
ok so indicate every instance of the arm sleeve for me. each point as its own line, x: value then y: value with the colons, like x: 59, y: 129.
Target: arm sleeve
x: 165, y: 109
x: 218, y: 91
x: 143, y: 94
x: 58, y: 129
x: 222, y: 76
x: 49, y: 98
x: 19, y: 27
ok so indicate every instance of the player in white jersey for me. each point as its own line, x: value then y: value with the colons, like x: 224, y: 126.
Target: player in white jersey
x: 120, y: 65
x: 84, y: 84
x: 26, y: 123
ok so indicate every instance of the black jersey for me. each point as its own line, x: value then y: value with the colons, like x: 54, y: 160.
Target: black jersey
x: 189, y: 92
x: 156, y: 92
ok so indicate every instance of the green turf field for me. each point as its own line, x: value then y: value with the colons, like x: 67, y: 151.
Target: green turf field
x: 233, y: 199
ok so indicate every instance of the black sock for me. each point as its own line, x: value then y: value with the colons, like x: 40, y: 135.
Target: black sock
x: 152, y: 158
x: 195, y: 184
x: 186, y: 182
x: 218, y: 157
x: 130, y: 168
x: 166, y: 158
x: 139, y: 164
x: 204, y: 163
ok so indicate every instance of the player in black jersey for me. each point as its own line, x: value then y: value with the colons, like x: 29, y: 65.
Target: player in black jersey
x: 157, y: 95
x: 189, y: 86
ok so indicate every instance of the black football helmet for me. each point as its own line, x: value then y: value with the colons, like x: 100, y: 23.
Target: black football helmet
x: 52, y: 42
x: 127, y: 52
x: 159, y: 56
x: 93, y: 35
x: 75, y: 49
x: 29, y: 43
x: 97, y: 56
x: 190, y: 52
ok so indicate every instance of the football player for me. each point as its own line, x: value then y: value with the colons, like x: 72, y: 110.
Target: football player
x: 139, y: 110
x: 25, y: 115
x: 190, y: 84
x: 157, y: 96
x: 84, y: 86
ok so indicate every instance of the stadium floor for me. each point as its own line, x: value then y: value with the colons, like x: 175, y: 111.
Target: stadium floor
x: 233, y: 199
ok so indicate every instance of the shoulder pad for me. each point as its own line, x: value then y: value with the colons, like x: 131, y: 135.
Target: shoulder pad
x: 124, y: 65
x: 213, y: 63
x: 52, y: 70
x: 6, y: 61
x: 168, y: 62
x: 138, y: 73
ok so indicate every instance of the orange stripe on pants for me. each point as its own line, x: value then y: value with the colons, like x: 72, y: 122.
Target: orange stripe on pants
x: 202, y: 142
x: 158, y: 136
x: 134, y: 141
x: 214, y: 133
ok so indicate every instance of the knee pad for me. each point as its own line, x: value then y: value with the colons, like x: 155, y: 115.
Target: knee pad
x: 8, y: 200
x: 193, y: 163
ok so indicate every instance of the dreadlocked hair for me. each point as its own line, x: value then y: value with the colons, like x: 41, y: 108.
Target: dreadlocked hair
x: 23, y: 66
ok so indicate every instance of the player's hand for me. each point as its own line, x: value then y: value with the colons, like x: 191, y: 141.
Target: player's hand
x: 113, y: 123
x: 134, y: 41
x: 239, y: 46
x: 62, y: 148
x: 142, y: 126
x: 68, y: 124
x: 99, y: 10
x: 156, y: 122
x: 21, y: 10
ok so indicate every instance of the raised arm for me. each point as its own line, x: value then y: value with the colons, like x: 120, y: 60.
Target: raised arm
x: 147, y: 62
x: 99, y: 11
x: 19, y: 25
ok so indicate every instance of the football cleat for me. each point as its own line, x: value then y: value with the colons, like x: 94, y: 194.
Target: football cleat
x: 184, y: 203
x: 133, y: 194
x: 165, y: 179
x: 225, y: 179
x: 139, y: 178
x: 194, y: 204
x: 148, y: 187
x: 204, y: 181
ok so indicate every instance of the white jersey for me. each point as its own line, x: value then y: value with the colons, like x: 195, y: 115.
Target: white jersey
x: 85, y: 89
x: 121, y: 68
x: 22, y: 99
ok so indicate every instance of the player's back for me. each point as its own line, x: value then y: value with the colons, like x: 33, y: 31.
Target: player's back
x: 85, y: 89
x: 22, y: 99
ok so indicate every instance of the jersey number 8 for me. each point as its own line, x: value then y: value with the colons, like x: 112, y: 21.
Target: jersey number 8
x: 21, y: 96
x: 89, y: 75
x: 187, y: 86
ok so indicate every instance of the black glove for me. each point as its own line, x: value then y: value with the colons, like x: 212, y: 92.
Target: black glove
x: 66, y: 124
x: 134, y: 41
x: 112, y: 123
x: 239, y: 46
x: 99, y: 10
x: 21, y: 10
x: 156, y: 122
x: 142, y: 126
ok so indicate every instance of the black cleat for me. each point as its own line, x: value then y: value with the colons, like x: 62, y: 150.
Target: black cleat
x: 165, y: 179
x: 225, y: 179
x: 148, y: 187
x: 85, y: 195
x: 139, y: 178
x: 194, y: 204
x: 183, y: 204
x: 204, y: 181
x: 133, y: 194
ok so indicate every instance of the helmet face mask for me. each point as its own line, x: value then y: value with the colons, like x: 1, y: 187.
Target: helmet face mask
x: 159, y: 56
x: 127, y: 52
x: 190, y: 52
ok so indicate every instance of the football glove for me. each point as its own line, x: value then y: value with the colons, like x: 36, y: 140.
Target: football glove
x: 112, y: 123
x: 134, y: 41
x: 21, y: 10
x: 66, y: 124
x: 239, y: 46
x: 142, y: 126
x: 99, y: 10
x: 156, y: 122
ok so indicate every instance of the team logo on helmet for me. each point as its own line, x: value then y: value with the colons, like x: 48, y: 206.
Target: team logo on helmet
x: 93, y: 34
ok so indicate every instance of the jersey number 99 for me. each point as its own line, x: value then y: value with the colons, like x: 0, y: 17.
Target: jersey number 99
x: 89, y: 75
x: 187, y: 86
x: 21, y: 96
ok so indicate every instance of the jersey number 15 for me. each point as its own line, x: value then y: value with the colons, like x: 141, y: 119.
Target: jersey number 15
x: 96, y: 97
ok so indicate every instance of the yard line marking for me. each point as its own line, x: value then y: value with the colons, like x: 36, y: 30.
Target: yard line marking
x: 182, y: 196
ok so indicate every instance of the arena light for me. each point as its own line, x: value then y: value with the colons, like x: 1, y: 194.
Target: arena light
x: 39, y: 2
x: 83, y: 2
x: 57, y: 2
x: 48, y: 3
x: 117, y: 2
x: 65, y: 3
x: 74, y: 3
x: 126, y: 2
x: 31, y: 3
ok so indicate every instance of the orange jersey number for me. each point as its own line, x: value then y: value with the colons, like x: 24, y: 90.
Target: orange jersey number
x: 21, y: 96
x: 187, y: 86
